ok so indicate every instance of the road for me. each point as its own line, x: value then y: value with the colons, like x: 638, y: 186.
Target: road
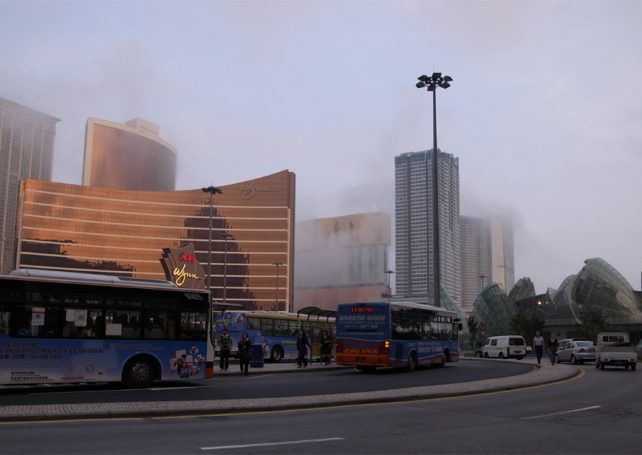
x: 259, y: 385
x: 599, y: 413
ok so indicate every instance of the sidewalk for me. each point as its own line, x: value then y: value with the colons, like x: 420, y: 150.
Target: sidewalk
x: 543, y: 374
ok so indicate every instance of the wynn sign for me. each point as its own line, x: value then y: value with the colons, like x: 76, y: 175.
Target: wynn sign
x: 182, y: 268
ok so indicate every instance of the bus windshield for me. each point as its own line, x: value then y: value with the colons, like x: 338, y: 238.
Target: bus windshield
x: 70, y: 328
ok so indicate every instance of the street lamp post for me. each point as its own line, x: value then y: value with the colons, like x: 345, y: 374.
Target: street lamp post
x: 226, y: 237
x: 212, y: 190
x: 431, y: 83
x: 276, y: 292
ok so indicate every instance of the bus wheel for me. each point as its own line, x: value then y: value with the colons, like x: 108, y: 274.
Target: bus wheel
x: 412, y: 362
x: 139, y: 372
x: 276, y: 354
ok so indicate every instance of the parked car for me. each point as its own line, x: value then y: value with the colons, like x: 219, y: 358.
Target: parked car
x: 505, y: 346
x: 614, y: 349
x: 576, y: 351
x: 638, y: 349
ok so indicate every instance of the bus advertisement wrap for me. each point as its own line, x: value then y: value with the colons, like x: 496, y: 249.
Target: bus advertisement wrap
x: 27, y: 361
x: 65, y: 327
x: 275, y: 331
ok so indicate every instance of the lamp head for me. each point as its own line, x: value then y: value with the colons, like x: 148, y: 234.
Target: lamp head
x: 423, y: 78
x: 420, y: 85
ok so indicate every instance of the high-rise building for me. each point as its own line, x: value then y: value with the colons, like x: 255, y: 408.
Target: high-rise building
x: 26, y: 151
x: 126, y: 233
x: 487, y: 256
x: 475, y: 259
x: 130, y: 157
x: 414, y: 228
x: 342, y: 259
x: 502, y: 267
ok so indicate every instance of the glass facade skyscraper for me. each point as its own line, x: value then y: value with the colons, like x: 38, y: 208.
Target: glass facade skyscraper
x: 124, y: 232
x: 414, y: 229
x: 26, y: 151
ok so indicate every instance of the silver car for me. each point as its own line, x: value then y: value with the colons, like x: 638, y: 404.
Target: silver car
x: 576, y: 351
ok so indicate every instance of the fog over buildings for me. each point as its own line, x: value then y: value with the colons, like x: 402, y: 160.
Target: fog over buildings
x: 543, y: 113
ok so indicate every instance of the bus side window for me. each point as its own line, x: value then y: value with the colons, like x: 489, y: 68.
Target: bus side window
x: 267, y: 327
x: 4, y: 322
x: 192, y: 326
x: 280, y: 327
x: 20, y: 322
x: 293, y: 328
x: 156, y: 325
x: 253, y: 323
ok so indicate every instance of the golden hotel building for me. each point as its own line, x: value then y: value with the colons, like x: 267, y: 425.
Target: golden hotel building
x: 131, y: 156
x: 123, y: 232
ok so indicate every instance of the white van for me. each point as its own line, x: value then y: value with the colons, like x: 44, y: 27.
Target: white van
x: 505, y: 346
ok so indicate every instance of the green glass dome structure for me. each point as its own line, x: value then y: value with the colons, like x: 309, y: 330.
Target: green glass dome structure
x: 597, y: 286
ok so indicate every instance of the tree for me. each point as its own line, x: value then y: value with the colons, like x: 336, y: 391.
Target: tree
x: 593, y: 322
x: 525, y: 323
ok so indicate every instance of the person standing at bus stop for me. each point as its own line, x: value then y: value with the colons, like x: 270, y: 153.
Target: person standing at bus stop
x: 302, y: 345
x: 538, y: 346
x: 245, y: 353
x: 326, y: 347
x: 225, y: 346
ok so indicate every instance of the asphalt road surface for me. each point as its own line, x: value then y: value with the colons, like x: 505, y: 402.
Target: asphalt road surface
x: 598, y: 413
x: 267, y: 385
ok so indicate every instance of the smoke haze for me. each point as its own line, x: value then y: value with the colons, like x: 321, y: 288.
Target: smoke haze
x: 543, y: 113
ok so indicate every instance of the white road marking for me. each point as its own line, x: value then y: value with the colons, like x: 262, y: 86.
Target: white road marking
x: 265, y: 444
x: 259, y: 376
x: 160, y: 389
x: 570, y: 411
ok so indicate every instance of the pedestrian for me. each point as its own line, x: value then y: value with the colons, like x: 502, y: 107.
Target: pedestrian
x: 302, y: 345
x: 552, y: 348
x: 538, y: 346
x: 245, y: 353
x: 225, y: 345
x: 326, y: 347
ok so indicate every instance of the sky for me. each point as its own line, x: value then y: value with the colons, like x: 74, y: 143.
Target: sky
x: 544, y: 111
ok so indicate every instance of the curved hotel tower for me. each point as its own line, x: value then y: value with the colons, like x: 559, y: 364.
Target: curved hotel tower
x: 130, y: 156
x: 124, y: 232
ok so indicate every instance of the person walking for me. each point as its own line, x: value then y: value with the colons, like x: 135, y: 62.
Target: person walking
x: 302, y: 345
x: 245, y: 353
x: 552, y: 348
x: 225, y: 346
x: 326, y: 347
x: 538, y: 346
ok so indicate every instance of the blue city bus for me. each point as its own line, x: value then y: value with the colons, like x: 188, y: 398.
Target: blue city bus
x: 397, y: 334
x: 276, y: 331
x: 66, y: 327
